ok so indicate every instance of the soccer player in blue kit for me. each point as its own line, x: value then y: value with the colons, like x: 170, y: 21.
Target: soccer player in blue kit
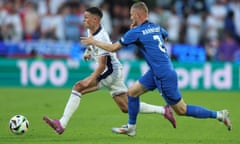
x: 149, y: 38
x: 108, y: 74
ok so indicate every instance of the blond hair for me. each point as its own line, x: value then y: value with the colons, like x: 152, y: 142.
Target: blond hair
x: 140, y: 6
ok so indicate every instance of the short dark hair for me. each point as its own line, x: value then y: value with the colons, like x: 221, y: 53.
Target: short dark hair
x: 95, y: 11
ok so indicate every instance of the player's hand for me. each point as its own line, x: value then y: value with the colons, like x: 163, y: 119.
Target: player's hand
x: 133, y: 24
x: 87, y: 40
x: 87, y: 57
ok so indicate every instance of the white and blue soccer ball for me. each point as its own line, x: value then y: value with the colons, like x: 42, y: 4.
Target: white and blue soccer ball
x: 18, y: 124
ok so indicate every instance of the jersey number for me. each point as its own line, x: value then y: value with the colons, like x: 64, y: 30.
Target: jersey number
x: 156, y: 37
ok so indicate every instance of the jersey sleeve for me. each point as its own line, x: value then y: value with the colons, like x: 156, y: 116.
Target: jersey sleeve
x: 164, y: 33
x: 129, y: 38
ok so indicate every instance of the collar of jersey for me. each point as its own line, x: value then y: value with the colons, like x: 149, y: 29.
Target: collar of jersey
x: 97, y: 31
x: 146, y: 21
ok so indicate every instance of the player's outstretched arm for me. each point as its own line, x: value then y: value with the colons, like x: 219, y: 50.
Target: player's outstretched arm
x: 106, y: 46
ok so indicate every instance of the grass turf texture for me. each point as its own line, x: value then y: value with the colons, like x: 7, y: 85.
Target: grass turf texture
x: 92, y: 122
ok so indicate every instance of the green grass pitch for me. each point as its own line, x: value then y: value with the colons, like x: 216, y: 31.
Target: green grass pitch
x: 92, y: 122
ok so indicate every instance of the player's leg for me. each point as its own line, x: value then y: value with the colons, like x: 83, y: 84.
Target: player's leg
x: 149, y: 82
x: 118, y: 91
x: 200, y: 112
x: 133, y: 109
x: 133, y: 102
x: 78, y: 90
x: 74, y: 101
x: 172, y: 96
x: 145, y: 83
x: 181, y: 108
x: 122, y: 101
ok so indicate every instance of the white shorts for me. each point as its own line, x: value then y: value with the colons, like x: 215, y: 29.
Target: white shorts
x: 114, y: 83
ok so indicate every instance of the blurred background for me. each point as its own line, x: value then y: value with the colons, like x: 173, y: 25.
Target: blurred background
x: 41, y: 59
x: 40, y: 46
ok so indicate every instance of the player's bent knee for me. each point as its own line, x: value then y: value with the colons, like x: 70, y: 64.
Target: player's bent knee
x: 79, y: 86
x: 124, y: 110
x: 180, y: 108
x: 180, y: 111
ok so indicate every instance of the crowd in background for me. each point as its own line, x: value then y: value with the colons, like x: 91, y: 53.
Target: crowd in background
x: 214, y: 24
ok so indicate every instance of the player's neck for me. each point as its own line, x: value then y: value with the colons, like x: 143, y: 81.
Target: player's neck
x: 95, y: 29
x: 142, y: 20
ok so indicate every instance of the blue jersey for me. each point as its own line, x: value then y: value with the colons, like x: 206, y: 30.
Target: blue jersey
x: 149, y: 38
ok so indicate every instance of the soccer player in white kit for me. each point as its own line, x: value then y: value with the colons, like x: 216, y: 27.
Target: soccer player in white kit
x: 108, y: 74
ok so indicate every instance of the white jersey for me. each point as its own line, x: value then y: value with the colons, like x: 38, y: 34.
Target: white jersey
x: 112, y: 77
x: 95, y: 52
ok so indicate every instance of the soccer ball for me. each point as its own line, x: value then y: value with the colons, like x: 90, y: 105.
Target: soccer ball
x: 18, y: 124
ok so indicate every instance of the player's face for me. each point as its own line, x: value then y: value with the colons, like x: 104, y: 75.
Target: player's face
x: 88, y: 21
x: 133, y: 16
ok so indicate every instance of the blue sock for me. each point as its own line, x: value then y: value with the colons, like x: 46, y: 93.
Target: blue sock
x: 200, y: 112
x: 133, y: 109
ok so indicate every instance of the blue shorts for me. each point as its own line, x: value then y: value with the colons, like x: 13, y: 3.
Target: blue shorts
x: 167, y: 85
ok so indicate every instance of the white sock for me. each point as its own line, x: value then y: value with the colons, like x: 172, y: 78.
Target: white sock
x: 132, y: 126
x: 148, y: 108
x: 219, y: 115
x: 70, y: 108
